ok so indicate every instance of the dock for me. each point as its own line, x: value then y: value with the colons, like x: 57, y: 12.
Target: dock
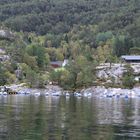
x: 4, y: 90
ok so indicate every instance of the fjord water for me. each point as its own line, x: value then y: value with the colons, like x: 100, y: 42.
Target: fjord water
x: 68, y: 118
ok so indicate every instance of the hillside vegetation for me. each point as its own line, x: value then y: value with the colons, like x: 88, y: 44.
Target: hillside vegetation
x: 86, y: 31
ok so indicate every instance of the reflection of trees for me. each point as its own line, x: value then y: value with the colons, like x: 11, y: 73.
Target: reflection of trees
x: 109, y: 111
x: 120, y: 116
x: 40, y: 118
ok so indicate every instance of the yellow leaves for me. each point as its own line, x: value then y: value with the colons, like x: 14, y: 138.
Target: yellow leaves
x: 55, y: 54
x: 11, y: 77
x: 41, y: 40
x: 65, y: 75
x: 59, y: 55
x: 81, y: 60
x: 30, y: 60
x: 49, y: 43
x: 79, y: 79
x: 103, y: 52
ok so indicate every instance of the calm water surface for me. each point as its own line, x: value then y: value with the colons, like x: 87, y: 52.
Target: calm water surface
x: 61, y: 118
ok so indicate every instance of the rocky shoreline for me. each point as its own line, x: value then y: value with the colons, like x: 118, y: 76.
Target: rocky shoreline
x: 23, y: 89
x: 94, y: 91
x: 105, y: 76
x: 101, y: 91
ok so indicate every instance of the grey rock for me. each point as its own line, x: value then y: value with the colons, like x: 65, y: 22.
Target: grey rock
x: 6, y: 34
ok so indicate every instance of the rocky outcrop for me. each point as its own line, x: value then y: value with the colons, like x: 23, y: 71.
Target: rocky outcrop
x: 114, y: 74
x: 6, y: 34
x: 136, y: 68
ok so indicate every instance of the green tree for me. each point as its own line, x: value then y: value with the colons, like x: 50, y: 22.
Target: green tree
x: 135, y: 51
x: 3, y: 78
x: 32, y: 78
x: 122, y: 45
x: 38, y: 52
x: 55, y: 76
x: 81, y: 72
x: 128, y: 80
x: 103, y: 37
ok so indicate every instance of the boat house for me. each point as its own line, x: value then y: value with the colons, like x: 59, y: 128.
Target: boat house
x: 130, y: 58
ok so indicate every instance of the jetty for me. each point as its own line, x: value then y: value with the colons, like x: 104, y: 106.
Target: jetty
x: 7, y: 91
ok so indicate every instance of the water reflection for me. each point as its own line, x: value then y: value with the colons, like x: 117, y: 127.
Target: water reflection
x: 62, y: 118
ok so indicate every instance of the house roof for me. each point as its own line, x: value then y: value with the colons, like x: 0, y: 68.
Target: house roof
x: 59, y: 63
x: 131, y: 57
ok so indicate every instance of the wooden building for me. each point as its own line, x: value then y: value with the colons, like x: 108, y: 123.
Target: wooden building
x: 130, y: 58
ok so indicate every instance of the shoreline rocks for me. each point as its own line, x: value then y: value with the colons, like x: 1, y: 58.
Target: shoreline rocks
x: 94, y: 91
x: 23, y: 89
x: 101, y: 91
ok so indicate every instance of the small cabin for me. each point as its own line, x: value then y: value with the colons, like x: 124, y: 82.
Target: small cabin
x: 130, y: 58
x: 58, y: 64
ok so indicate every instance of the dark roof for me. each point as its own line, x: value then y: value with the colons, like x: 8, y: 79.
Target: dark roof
x: 131, y: 57
x: 59, y: 63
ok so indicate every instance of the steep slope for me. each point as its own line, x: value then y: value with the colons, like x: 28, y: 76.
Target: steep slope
x: 58, y: 17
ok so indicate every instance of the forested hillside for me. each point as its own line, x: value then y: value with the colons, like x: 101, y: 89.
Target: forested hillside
x: 87, y: 31
x: 59, y: 17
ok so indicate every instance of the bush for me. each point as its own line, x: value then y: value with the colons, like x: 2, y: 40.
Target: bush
x: 128, y: 81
